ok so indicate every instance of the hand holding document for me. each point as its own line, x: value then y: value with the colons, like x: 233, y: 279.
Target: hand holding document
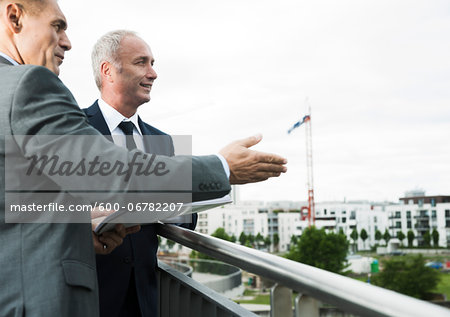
x: 107, y: 222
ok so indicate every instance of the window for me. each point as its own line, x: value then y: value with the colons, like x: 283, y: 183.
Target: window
x: 420, y: 202
x: 397, y: 214
x: 447, y: 213
x: 398, y: 224
x: 408, y: 214
x: 344, y: 219
x: 375, y: 219
x: 433, y: 202
x: 408, y: 224
x: 433, y: 214
x: 352, y: 214
x: 447, y: 223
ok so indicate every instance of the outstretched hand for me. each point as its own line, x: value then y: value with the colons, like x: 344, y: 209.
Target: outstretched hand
x: 249, y: 166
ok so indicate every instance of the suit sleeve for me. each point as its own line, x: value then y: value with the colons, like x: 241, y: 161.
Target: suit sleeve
x: 43, y: 106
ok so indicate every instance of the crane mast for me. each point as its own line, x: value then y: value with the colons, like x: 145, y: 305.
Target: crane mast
x: 309, y: 165
x: 309, y: 168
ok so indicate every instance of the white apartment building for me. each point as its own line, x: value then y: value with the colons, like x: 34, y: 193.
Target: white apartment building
x: 347, y: 216
x: 420, y: 214
x: 253, y: 217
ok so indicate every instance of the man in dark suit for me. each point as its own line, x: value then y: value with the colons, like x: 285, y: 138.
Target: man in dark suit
x: 48, y: 269
x: 124, y: 74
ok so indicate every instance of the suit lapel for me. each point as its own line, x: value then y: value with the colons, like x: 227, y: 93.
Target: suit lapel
x: 145, y: 131
x: 96, y: 119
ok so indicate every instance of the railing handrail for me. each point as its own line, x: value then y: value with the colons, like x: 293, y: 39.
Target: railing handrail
x: 346, y: 293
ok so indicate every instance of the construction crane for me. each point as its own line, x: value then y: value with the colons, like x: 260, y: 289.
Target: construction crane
x: 306, y: 120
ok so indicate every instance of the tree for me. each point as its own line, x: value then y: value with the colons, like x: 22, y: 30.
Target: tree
x: 294, y: 239
x: 250, y: 240
x: 364, y: 236
x: 410, y: 237
x: 276, y: 241
x: 426, y: 238
x: 386, y: 236
x: 233, y: 238
x: 317, y: 248
x: 435, y: 236
x: 401, y: 236
x: 221, y: 234
x: 354, y: 235
x: 267, y: 241
x: 170, y: 243
x: 378, y: 235
x: 407, y: 275
x: 242, y: 238
x: 259, y: 238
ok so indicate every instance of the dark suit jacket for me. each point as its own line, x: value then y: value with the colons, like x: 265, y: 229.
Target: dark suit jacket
x: 138, y: 250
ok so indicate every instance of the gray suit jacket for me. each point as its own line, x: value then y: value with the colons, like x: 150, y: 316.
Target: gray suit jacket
x: 49, y: 269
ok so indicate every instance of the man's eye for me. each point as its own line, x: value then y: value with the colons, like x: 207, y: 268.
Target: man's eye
x: 57, y: 27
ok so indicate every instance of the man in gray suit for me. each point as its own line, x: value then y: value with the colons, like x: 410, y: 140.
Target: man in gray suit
x: 49, y: 269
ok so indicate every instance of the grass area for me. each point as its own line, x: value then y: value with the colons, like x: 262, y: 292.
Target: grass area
x: 263, y: 299
x: 443, y: 286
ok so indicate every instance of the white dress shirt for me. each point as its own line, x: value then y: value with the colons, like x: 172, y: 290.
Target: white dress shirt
x: 113, y: 118
x: 8, y: 58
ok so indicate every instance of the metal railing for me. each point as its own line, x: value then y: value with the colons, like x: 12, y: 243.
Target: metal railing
x: 348, y: 294
x: 180, y: 295
x: 226, y: 276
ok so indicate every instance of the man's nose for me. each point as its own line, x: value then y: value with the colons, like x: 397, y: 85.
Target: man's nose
x: 64, y: 42
x: 151, y: 73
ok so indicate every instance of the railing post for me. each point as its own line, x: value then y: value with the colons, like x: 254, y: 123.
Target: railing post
x: 280, y: 301
x: 306, y: 306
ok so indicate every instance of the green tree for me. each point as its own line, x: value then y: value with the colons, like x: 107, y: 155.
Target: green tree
x: 435, y: 236
x: 378, y: 235
x: 410, y: 236
x: 320, y: 249
x: 250, y: 240
x: 294, y: 239
x: 427, y: 238
x: 276, y: 241
x: 170, y: 243
x: 407, y: 275
x: 354, y: 235
x: 363, y: 236
x: 259, y: 238
x: 233, y: 238
x: 401, y: 236
x: 242, y: 238
x: 386, y: 236
x: 267, y: 241
x: 221, y: 234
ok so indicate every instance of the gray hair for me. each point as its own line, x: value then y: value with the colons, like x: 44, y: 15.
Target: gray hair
x: 105, y: 50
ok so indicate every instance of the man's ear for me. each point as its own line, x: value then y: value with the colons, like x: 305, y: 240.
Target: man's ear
x: 106, y: 71
x: 14, y: 15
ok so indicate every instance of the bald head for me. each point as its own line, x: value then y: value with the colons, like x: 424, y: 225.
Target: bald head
x: 34, y: 32
x: 29, y: 6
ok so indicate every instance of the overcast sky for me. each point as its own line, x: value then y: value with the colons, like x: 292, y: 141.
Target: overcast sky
x: 377, y: 75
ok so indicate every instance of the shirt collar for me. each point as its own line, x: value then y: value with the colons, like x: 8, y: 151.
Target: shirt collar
x: 113, y: 117
x: 9, y: 59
